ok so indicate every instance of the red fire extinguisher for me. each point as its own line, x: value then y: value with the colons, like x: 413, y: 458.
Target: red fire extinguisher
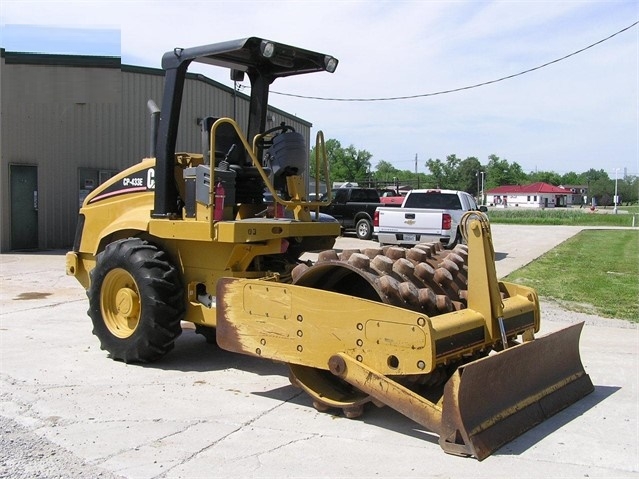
x: 220, y: 194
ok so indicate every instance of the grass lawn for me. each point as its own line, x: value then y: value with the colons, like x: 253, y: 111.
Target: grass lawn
x: 596, y: 271
x: 564, y: 216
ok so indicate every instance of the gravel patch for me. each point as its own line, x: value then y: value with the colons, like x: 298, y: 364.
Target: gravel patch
x: 552, y: 311
x: 24, y: 454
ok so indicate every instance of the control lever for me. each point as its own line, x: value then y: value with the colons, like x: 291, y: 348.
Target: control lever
x: 224, y: 164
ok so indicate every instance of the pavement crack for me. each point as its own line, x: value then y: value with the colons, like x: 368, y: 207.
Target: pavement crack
x: 45, y: 306
x: 231, y: 433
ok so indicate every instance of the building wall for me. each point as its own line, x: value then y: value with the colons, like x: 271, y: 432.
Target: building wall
x: 57, y: 118
x: 81, y: 119
x: 539, y: 200
x: 506, y: 200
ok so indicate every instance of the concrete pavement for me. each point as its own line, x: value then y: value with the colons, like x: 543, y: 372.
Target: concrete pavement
x: 203, y: 412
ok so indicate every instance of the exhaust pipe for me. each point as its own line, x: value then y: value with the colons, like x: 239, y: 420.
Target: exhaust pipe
x: 155, y: 121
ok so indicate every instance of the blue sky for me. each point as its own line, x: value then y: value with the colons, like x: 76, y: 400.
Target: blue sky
x: 574, y: 115
x: 61, y: 40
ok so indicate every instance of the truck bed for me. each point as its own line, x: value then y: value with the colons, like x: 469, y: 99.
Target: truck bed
x: 410, y: 226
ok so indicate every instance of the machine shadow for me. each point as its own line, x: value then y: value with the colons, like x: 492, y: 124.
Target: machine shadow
x: 387, y: 418
x: 392, y: 420
x: 384, y: 417
x: 193, y: 354
x: 500, y: 256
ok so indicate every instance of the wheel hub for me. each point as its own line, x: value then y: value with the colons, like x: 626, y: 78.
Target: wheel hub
x: 120, y: 303
x: 127, y: 303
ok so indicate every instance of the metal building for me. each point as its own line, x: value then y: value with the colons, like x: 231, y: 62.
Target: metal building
x: 69, y: 122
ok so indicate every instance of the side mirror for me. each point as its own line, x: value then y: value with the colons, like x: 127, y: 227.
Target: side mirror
x: 483, y: 209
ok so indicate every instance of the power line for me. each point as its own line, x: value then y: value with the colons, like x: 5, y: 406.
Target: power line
x: 454, y: 90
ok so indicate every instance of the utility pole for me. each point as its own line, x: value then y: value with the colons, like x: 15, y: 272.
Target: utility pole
x: 416, y: 174
x: 615, y: 199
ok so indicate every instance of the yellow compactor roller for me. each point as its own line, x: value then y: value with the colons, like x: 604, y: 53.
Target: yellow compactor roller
x: 427, y: 331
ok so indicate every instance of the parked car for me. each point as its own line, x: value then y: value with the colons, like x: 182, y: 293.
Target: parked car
x: 425, y: 215
x: 390, y: 197
x: 354, y: 208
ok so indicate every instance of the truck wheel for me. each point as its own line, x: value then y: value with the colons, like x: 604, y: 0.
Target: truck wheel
x: 458, y: 240
x: 135, y: 301
x: 364, y: 229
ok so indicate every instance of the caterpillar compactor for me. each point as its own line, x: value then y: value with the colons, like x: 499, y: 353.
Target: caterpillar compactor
x: 187, y: 237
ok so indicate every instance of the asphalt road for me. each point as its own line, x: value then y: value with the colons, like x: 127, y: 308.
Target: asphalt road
x: 66, y: 410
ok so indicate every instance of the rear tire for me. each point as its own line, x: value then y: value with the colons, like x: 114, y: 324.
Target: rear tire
x: 364, y: 229
x: 135, y: 301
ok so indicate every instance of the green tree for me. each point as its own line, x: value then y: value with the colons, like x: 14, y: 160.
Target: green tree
x: 345, y: 164
x: 436, y: 168
x: 628, y: 189
x: 333, y: 148
x: 599, y: 185
x: 385, y: 171
x: 351, y: 164
x: 499, y: 172
x: 469, y: 176
x: 355, y: 165
x: 496, y: 172
x: 571, y: 178
x: 446, y: 175
x: 549, y: 177
x: 602, y: 187
x: 593, y: 175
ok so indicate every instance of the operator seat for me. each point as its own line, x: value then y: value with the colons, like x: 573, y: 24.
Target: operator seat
x: 231, y: 154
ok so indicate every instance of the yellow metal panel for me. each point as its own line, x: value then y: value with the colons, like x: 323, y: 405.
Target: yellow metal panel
x: 71, y: 263
x: 390, y: 333
x: 526, y: 301
x: 246, y: 231
x: 458, y: 332
x: 268, y: 300
x: 79, y: 265
x: 180, y: 229
x: 456, y: 322
x: 320, y: 324
x: 483, y: 286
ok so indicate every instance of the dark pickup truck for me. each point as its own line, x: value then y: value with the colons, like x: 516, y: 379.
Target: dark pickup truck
x: 354, y: 208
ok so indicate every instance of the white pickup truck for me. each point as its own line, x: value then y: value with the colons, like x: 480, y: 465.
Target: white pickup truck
x: 425, y: 215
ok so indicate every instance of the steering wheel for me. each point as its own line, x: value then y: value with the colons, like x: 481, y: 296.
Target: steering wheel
x: 283, y: 127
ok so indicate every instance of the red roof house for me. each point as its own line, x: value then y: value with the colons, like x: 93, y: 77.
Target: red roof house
x: 535, y: 195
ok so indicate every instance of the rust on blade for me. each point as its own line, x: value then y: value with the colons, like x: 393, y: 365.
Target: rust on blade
x: 493, y: 400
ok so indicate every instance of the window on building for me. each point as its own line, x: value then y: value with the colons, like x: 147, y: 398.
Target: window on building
x: 90, y: 178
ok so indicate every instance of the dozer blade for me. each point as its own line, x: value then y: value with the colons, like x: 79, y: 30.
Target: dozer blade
x: 493, y: 400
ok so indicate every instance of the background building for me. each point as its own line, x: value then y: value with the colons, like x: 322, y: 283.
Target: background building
x: 578, y: 194
x: 68, y: 123
x: 535, y: 195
